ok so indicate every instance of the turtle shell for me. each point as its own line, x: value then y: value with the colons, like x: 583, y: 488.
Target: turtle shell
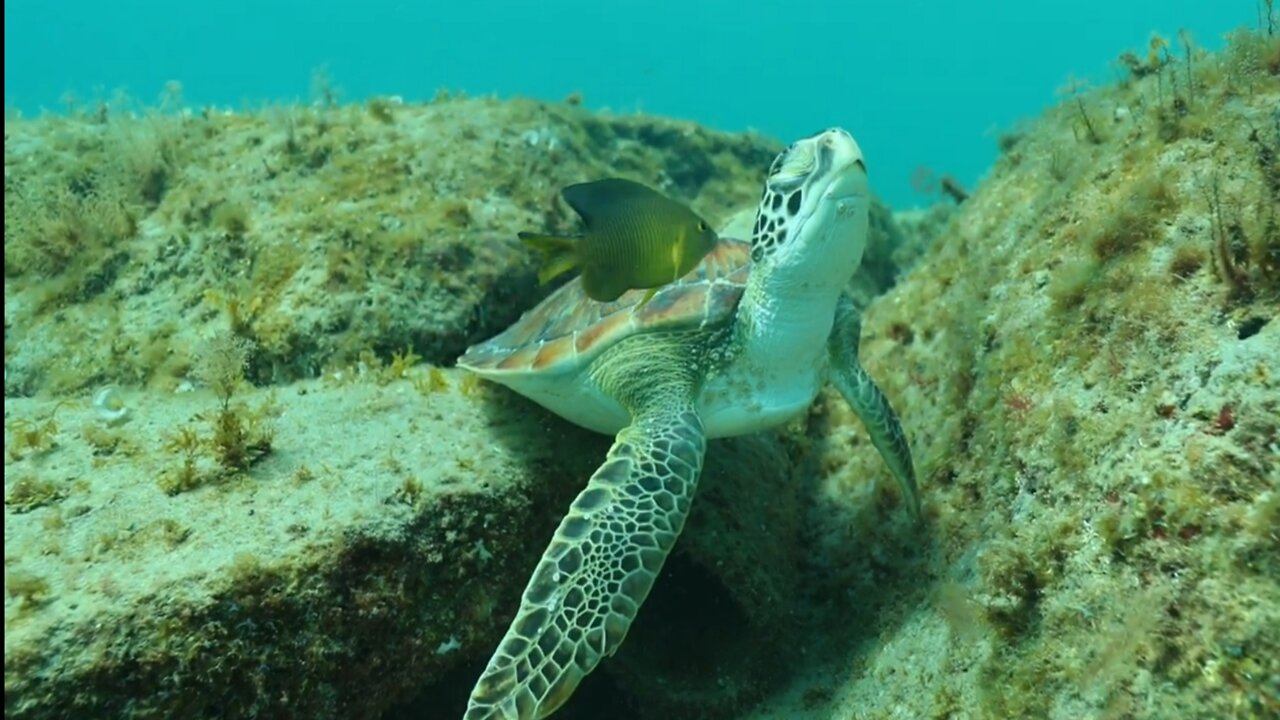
x: 568, y: 329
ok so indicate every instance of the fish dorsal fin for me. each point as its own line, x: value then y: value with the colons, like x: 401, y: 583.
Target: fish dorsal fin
x: 594, y: 199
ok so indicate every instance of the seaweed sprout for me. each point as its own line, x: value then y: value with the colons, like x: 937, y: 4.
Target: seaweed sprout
x: 31, y: 437
x: 236, y: 441
x: 1074, y: 89
x: 221, y: 366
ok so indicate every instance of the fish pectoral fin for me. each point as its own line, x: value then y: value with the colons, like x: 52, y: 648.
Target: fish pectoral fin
x: 556, y: 266
x: 677, y: 252
x: 559, y: 254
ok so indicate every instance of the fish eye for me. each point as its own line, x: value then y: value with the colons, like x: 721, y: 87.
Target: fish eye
x: 702, y: 227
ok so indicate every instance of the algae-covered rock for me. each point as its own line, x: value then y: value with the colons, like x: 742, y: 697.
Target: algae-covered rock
x: 318, y: 233
x: 1085, y: 361
x: 357, y: 560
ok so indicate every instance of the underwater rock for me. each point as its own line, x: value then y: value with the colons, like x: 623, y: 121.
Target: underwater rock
x: 319, y: 233
x: 361, y: 557
x: 1085, y: 362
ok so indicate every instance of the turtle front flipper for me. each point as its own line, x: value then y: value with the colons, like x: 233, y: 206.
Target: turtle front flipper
x: 598, y: 569
x: 870, y: 404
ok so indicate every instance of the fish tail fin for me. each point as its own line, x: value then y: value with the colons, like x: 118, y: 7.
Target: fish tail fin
x: 559, y: 254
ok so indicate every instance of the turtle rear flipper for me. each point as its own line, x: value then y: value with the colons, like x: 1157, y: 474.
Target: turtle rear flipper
x: 597, y: 571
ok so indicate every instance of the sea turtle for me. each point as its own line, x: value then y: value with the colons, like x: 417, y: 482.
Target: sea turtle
x: 742, y: 343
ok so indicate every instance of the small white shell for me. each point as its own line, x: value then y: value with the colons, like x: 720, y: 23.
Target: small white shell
x: 108, y: 402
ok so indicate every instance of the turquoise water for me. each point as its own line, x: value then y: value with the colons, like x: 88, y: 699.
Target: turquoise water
x: 919, y: 83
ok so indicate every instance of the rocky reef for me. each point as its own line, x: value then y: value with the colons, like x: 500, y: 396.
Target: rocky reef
x: 1086, y: 358
x: 242, y: 481
x: 318, y: 233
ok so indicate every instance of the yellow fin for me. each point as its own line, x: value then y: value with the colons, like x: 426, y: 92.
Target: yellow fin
x: 559, y: 254
x: 554, y: 267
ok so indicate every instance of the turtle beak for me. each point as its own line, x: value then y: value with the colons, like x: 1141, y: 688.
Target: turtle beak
x: 840, y: 156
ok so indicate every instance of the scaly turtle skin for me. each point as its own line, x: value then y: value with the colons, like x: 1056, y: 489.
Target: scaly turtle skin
x: 742, y: 343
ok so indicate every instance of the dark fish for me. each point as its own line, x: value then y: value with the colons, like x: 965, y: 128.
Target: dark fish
x: 635, y: 237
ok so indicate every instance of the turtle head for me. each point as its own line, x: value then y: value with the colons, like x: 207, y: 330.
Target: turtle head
x: 813, y: 214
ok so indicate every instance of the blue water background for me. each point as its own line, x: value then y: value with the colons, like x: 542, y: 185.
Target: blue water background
x: 919, y: 83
